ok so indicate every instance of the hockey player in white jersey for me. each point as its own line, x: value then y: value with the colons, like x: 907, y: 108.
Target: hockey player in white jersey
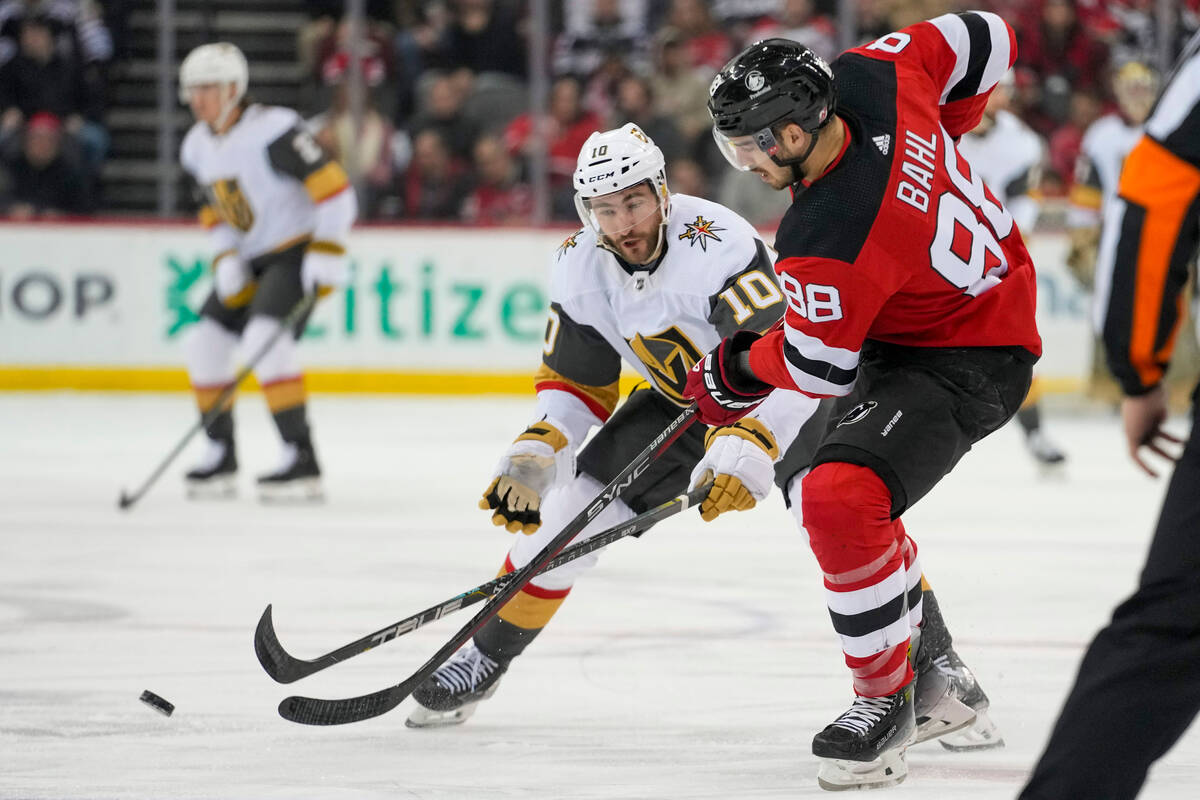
x: 1010, y: 155
x: 652, y: 279
x: 278, y: 211
x: 1102, y: 152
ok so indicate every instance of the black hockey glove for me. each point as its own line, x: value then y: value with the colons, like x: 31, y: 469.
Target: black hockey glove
x: 724, y: 391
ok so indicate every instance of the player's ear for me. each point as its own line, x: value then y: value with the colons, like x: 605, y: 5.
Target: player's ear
x: 794, y: 137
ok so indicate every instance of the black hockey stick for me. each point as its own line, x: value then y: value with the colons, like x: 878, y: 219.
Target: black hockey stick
x: 292, y: 319
x: 315, y: 711
x: 283, y: 667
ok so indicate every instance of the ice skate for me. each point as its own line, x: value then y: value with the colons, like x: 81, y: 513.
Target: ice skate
x: 950, y: 704
x: 940, y: 707
x: 297, y: 479
x: 982, y: 734
x: 1044, y: 451
x: 450, y: 695
x: 864, y: 747
x: 215, y: 476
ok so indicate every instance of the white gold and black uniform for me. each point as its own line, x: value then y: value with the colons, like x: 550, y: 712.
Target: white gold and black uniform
x: 275, y: 204
x: 1009, y: 157
x: 1102, y: 152
x: 714, y: 278
x: 270, y: 194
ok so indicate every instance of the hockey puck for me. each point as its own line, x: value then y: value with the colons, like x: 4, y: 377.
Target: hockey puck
x: 157, y: 703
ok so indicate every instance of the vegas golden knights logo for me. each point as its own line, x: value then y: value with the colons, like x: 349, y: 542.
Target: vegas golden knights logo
x: 231, y: 204
x: 669, y: 355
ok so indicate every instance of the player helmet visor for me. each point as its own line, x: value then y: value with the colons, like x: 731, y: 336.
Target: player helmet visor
x: 769, y: 83
x: 610, y: 163
x: 747, y: 152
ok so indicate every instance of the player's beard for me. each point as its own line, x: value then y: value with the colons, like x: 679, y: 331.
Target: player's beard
x: 776, y: 182
x: 637, y: 249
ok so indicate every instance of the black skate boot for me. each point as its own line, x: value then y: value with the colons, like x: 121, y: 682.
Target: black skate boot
x: 298, y: 477
x: 215, y: 476
x: 451, y: 694
x: 982, y: 733
x: 864, y: 747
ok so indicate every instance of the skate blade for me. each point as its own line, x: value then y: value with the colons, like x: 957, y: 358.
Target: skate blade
x: 221, y: 488
x: 982, y: 735
x: 299, y: 491
x: 839, y: 775
x: 422, y: 717
x: 946, y: 717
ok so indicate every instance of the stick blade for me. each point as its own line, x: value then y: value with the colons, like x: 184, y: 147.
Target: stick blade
x: 278, y: 663
x: 315, y: 711
x: 125, y: 501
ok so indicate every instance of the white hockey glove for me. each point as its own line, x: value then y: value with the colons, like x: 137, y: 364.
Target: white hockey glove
x: 740, y: 461
x: 536, y: 460
x: 321, y: 272
x: 232, y: 280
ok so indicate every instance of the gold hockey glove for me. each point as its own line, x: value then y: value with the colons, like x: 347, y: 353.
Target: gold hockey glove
x: 740, y: 461
x: 527, y: 471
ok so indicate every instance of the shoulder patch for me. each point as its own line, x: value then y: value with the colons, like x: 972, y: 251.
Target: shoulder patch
x: 700, y: 232
x: 568, y: 243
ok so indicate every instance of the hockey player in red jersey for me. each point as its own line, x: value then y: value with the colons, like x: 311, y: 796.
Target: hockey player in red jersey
x: 910, y: 297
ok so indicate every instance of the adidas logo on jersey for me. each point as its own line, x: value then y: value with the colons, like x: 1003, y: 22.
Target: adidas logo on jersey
x: 883, y: 142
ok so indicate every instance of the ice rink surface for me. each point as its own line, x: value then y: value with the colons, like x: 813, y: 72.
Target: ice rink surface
x: 696, y: 662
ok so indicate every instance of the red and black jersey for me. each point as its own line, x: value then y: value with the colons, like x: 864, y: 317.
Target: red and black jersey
x: 900, y: 241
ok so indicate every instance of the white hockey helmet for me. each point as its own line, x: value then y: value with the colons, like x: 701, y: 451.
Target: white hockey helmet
x: 612, y: 161
x: 217, y: 63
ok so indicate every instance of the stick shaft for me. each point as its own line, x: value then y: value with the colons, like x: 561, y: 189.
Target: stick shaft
x: 290, y: 321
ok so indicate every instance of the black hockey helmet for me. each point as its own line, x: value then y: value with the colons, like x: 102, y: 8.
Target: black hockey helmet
x: 770, y: 82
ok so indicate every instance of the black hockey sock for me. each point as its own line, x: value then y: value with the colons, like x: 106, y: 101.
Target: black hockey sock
x: 935, y: 636
x: 1029, y: 418
x: 221, y: 427
x: 502, y: 641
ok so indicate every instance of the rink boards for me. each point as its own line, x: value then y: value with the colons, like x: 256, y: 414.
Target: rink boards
x: 429, y: 310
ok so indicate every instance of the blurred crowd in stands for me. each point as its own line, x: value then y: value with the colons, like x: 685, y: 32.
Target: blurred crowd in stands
x: 447, y: 134
x: 54, y: 59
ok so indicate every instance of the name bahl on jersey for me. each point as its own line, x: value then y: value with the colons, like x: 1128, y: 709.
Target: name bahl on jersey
x: 900, y: 241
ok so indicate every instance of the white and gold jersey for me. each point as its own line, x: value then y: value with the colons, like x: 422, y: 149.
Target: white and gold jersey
x: 1098, y: 169
x: 1009, y: 158
x: 714, y: 278
x: 263, y: 179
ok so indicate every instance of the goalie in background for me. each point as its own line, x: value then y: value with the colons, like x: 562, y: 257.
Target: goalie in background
x: 1106, y: 143
x: 278, y: 211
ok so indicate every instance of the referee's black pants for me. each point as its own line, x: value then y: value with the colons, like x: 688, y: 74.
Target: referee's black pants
x: 1138, y: 687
